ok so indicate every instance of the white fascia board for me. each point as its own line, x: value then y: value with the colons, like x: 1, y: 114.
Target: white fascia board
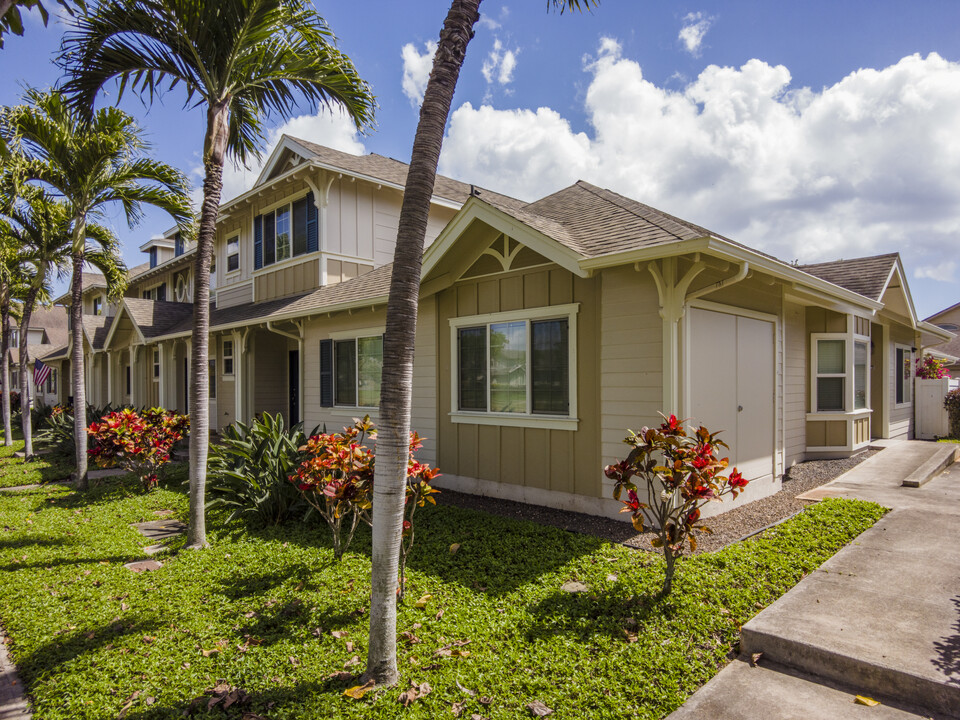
x: 163, y: 242
x: 476, y: 209
x: 935, y: 330
x: 121, y: 308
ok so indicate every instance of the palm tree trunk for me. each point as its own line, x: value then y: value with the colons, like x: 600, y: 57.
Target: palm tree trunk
x: 76, y: 370
x: 4, y: 6
x: 214, y: 152
x: 5, y: 362
x: 393, y: 438
x: 26, y: 418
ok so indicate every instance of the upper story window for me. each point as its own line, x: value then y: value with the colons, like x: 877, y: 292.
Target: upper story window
x: 156, y: 364
x: 233, y: 253
x: 949, y: 327
x: 178, y: 245
x: 285, y: 232
x: 158, y: 292
x: 98, y: 305
x: 903, y: 371
x: 519, y: 363
x: 153, y: 257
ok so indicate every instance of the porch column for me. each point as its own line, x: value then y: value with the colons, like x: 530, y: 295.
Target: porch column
x: 109, y: 360
x: 162, y: 384
x: 134, y: 395
x: 188, y: 344
x: 239, y: 375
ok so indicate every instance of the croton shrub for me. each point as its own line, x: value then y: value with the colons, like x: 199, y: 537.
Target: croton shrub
x: 680, y: 473
x: 137, y: 441
x: 336, y: 479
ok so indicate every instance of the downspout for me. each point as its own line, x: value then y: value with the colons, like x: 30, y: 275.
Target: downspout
x: 741, y: 275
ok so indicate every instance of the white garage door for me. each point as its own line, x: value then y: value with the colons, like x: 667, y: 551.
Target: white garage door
x: 732, y: 386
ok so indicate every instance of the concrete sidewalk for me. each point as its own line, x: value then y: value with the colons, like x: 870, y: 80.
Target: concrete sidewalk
x: 881, y: 618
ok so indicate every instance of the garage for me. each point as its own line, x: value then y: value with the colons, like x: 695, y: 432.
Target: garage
x: 731, y: 376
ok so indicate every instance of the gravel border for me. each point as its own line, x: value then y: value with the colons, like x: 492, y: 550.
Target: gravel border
x: 727, y: 528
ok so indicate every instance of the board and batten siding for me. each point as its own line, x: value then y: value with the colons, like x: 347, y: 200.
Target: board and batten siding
x: 235, y: 295
x: 631, y: 376
x: 522, y: 462
x: 270, y: 388
x: 901, y: 418
x: 294, y: 277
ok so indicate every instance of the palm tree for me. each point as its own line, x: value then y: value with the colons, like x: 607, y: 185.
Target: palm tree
x: 41, y: 225
x: 13, y: 285
x: 244, y: 61
x: 398, y: 344
x: 12, y: 22
x: 92, y: 163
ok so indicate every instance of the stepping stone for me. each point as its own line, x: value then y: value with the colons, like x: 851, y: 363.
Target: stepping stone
x: 16, y: 488
x: 142, y: 566
x: 163, y: 513
x: 574, y: 587
x: 21, y: 454
x: 105, y: 473
x: 155, y: 549
x: 160, y: 529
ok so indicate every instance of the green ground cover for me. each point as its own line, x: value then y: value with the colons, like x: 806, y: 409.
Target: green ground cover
x: 268, y: 612
x: 43, y: 469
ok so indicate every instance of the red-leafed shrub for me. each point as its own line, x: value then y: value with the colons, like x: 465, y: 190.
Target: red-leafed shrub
x: 336, y: 478
x: 681, y: 473
x: 139, y: 442
x: 951, y: 402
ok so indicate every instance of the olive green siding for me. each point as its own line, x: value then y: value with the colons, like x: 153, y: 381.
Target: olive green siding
x: 548, y: 459
x: 297, y: 278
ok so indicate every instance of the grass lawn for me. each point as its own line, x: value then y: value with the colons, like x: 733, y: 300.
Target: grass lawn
x: 14, y: 471
x: 268, y: 612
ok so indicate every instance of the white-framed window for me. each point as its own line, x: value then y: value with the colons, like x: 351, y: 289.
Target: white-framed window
x: 840, y: 364
x: 357, y: 366
x: 180, y: 287
x: 233, y: 253
x: 516, y: 367
x: 903, y: 374
x: 228, y: 357
x: 156, y: 364
x: 52, y: 381
x: 157, y: 292
x: 284, y: 232
x: 98, y: 305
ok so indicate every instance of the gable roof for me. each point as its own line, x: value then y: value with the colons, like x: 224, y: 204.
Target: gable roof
x: 936, y: 316
x: 865, y: 276
x: 154, y: 318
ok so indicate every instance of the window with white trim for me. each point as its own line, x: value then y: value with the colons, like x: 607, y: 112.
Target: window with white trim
x: 840, y: 366
x: 228, y: 357
x: 98, y: 305
x: 903, y: 371
x: 156, y: 364
x: 861, y: 370
x: 52, y: 381
x: 233, y: 253
x: 514, y: 365
x: 357, y: 367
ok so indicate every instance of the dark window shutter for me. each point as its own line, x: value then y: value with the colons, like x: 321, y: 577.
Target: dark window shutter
x: 258, y: 242
x: 326, y: 373
x: 269, y: 239
x: 162, y: 292
x: 300, y: 227
x: 313, y: 239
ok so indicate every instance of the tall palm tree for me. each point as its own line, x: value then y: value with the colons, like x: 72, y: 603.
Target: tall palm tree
x: 92, y: 162
x: 244, y: 61
x: 41, y: 225
x: 14, y: 282
x: 398, y: 345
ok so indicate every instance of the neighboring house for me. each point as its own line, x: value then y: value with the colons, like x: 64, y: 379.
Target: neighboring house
x: 949, y: 320
x: 48, y: 330
x: 546, y: 330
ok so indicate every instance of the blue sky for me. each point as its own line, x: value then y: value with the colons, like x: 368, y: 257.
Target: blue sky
x: 810, y: 130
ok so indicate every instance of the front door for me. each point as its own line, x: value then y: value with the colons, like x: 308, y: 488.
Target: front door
x: 293, y: 374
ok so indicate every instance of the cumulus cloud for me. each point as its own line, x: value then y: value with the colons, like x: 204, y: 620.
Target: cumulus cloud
x: 499, y: 64
x: 870, y: 164
x: 416, y: 70
x: 695, y: 26
x: 942, y: 272
x: 333, y: 129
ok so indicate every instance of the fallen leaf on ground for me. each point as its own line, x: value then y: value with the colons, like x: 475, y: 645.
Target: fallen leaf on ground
x: 355, y: 660
x: 358, y: 691
x: 349, y: 646
x: 454, y: 548
x: 439, y: 614
x: 864, y: 700
x: 339, y: 633
x: 755, y: 658
x: 294, y: 661
x: 422, y: 602
x: 211, y: 651
x: 409, y: 637
x: 538, y: 709
x: 456, y: 709
x: 340, y: 676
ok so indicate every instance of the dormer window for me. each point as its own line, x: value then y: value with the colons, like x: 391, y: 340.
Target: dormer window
x: 153, y: 257
x: 178, y: 245
x: 233, y: 253
x: 98, y: 305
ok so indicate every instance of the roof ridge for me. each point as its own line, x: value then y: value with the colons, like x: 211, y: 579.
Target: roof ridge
x: 591, y: 188
x: 853, y: 259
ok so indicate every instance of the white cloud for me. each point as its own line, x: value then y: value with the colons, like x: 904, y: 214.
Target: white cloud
x: 334, y: 130
x: 416, y: 70
x: 870, y: 164
x: 695, y: 26
x: 941, y: 272
x: 499, y: 64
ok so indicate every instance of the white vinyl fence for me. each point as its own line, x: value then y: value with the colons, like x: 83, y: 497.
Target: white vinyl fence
x: 931, y: 416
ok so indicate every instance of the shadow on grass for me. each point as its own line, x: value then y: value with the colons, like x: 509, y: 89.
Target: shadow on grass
x: 35, y: 542
x: 585, y: 615
x: 256, y: 704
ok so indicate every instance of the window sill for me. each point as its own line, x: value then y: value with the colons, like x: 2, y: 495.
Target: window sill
x: 840, y: 415
x: 280, y: 264
x: 545, y: 422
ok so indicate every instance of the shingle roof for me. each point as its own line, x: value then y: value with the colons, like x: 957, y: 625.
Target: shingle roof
x: 865, y: 276
x: 96, y: 328
x: 156, y: 317
x: 388, y: 170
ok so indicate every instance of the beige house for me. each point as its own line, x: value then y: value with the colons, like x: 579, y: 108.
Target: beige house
x: 546, y: 329
x: 48, y: 330
x: 948, y: 319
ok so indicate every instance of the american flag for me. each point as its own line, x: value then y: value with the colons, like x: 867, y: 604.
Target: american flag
x: 40, y: 373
